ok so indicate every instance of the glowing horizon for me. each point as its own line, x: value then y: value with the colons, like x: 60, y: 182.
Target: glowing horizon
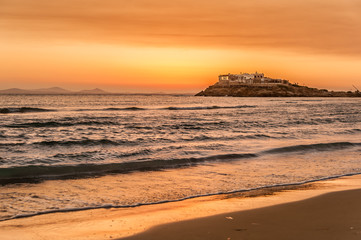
x: 178, y: 46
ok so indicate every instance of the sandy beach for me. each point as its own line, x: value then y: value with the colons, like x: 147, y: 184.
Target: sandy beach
x: 331, y: 216
x: 327, y: 209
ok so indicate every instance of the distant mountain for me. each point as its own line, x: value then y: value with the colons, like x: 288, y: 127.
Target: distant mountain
x: 93, y: 91
x: 52, y: 90
x: 13, y: 91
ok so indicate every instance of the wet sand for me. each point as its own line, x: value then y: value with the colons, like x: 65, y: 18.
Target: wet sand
x: 323, y: 210
x: 329, y: 216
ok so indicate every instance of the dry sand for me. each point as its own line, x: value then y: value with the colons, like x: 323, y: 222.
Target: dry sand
x: 323, y: 210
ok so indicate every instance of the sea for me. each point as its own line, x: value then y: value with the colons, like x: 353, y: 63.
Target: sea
x: 63, y: 153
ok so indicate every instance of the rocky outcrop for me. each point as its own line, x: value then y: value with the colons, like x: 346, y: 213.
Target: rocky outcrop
x: 277, y: 90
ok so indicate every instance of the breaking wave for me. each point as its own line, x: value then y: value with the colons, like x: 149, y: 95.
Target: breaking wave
x: 37, y: 172
x: 314, y: 147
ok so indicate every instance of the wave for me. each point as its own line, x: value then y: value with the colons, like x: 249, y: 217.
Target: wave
x: 24, y: 110
x: 87, y: 154
x: 208, y: 107
x: 58, y: 124
x: 37, y: 172
x: 112, y: 109
x: 81, y: 142
x: 30, y: 109
x: 313, y: 147
x: 90, y: 154
x: 125, y: 109
x: 44, y: 172
x: 11, y: 144
x: 193, y: 126
x: 96, y: 142
x: 167, y: 108
x: 201, y: 138
x: 85, y: 142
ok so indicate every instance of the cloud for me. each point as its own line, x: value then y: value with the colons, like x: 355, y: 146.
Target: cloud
x: 328, y: 27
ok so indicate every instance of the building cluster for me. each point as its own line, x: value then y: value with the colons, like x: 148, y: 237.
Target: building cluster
x: 248, y: 78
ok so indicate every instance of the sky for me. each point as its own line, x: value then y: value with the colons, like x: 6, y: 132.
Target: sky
x: 178, y: 45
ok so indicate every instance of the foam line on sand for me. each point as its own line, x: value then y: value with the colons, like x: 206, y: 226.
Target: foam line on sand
x: 225, y: 211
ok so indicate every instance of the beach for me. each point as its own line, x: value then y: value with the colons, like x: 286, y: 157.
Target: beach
x: 111, y: 167
x: 335, y: 215
x: 327, y: 209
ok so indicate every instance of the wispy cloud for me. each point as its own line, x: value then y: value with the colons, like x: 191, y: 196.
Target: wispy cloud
x: 330, y: 27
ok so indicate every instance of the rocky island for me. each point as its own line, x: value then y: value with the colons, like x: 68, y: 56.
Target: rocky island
x: 257, y: 85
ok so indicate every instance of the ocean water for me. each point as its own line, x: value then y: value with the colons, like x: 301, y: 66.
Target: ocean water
x: 64, y: 153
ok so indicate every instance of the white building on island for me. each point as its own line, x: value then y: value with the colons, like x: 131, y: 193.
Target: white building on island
x: 248, y: 78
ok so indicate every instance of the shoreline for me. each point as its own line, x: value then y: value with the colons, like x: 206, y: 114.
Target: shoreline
x: 251, y: 192
x: 125, y: 222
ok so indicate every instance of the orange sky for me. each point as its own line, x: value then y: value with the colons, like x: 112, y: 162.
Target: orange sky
x: 178, y: 45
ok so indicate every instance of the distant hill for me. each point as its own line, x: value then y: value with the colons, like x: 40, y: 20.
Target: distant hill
x: 93, y: 91
x: 12, y: 91
x: 51, y: 91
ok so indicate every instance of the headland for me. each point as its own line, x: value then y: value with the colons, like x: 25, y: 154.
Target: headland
x: 257, y: 85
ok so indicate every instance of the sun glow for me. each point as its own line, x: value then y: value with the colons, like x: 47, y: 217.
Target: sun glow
x: 177, y: 45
